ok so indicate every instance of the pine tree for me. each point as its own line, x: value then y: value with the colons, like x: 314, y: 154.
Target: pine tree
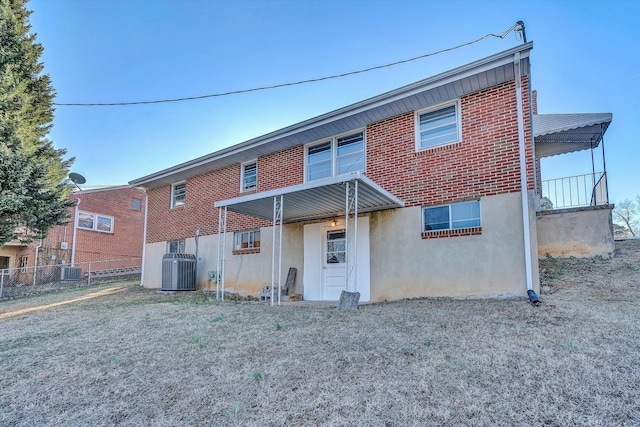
x: 33, y: 189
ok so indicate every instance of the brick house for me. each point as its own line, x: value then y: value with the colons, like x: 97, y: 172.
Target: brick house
x: 427, y: 190
x: 109, y: 233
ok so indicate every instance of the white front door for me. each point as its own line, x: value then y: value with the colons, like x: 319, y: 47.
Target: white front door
x: 334, y: 264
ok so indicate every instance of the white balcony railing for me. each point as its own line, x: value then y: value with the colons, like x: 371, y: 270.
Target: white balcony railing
x: 577, y: 191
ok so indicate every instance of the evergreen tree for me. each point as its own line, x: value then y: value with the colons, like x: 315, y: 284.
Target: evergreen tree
x: 33, y: 189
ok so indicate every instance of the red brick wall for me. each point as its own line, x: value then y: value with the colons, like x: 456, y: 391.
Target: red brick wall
x: 125, y: 242
x: 277, y: 170
x: 485, y: 163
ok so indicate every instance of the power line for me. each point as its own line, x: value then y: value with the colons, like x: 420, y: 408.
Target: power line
x: 518, y: 27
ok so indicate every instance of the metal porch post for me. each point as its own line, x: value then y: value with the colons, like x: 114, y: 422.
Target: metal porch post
x: 604, y: 165
x: 224, y: 250
x: 593, y: 177
x: 351, y: 238
x: 218, y: 260
x: 277, y: 220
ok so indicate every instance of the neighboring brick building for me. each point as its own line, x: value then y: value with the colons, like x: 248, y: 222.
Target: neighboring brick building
x: 429, y: 173
x: 109, y: 233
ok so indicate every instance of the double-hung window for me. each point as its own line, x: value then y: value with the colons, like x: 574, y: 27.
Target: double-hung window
x: 246, y: 240
x: 178, y: 194
x: 175, y: 247
x: 249, y: 176
x: 95, y: 222
x: 338, y: 156
x: 452, y: 217
x: 438, y: 126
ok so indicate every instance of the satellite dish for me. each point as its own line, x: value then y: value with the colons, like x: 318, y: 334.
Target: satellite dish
x: 76, y: 178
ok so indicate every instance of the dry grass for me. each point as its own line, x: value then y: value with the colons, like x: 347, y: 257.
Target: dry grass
x: 138, y: 357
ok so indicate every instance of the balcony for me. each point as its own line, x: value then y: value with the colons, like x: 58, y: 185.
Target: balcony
x: 574, y: 215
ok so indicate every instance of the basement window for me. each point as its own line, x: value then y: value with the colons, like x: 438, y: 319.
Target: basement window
x: 246, y: 242
x: 451, y: 217
x: 175, y: 247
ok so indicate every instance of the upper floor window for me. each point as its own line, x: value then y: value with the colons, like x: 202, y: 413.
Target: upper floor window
x: 452, y: 217
x: 95, y: 222
x: 136, y: 204
x: 178, y: 194
x: 249, y: 176
x: 175, y: 247
x: 438, y: 126
x: 338, y: 156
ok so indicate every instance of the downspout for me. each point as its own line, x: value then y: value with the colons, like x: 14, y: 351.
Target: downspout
x: 35, y: 263
x: 533, y: 298
x: 144, y: 236
x: 75, y: 229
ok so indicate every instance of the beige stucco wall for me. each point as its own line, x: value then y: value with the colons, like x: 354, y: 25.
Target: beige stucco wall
x: 402, y: 264
x: 580, y: 232
x: 405, y: 265
x: 244, y: 274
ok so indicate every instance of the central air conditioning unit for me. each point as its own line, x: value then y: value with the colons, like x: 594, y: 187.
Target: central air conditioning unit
x: 68, y: 273
x: 179, y: 272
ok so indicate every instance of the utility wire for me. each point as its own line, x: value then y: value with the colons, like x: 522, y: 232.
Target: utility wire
x: 517, y: 27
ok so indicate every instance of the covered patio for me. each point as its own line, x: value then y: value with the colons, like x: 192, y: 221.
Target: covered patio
x: 574, y: 215
x: 345, y: 197
x: 567, y: 133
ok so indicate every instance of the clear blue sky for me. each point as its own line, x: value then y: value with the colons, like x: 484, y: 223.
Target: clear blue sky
x: 585, y: 59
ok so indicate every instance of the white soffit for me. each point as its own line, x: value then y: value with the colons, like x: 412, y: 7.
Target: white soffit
x: 452, y: 84
x: 323, y: 198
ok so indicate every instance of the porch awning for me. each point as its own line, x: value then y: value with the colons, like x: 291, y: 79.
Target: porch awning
x: 323, y: 198
x: 565, y: 133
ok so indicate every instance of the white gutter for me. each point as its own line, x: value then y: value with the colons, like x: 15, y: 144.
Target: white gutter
x: 144, y: 237
x: 523, y: 182
x: 75, y: 229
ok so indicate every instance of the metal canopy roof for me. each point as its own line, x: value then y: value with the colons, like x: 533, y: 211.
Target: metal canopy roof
x: 452, y: 84
x: 323, y: 198
x: 565, y: 133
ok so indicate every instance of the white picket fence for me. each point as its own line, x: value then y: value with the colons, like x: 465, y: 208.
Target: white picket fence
x: 24, y: 281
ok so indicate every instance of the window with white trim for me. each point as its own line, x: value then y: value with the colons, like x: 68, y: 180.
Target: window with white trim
x: 338, y: 156
x: 438, y: 126
x: 249, y: 176
x: 451, y: 217
x: 178, y: 194
x: 95, y: 222
x: 246, y: 240
x: 175, y: 247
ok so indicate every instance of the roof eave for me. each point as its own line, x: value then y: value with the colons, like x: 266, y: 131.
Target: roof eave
x: 455, y: 74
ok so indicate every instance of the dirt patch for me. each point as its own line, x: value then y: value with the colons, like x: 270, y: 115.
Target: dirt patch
x: 139, y: 357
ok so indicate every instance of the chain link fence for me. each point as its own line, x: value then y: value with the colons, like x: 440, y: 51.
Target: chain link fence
x: 21, y: 282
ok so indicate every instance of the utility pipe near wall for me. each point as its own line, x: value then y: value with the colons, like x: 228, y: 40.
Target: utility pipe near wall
x: 75, y: 229
x: 144, y: 237
x: 533, y: 298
